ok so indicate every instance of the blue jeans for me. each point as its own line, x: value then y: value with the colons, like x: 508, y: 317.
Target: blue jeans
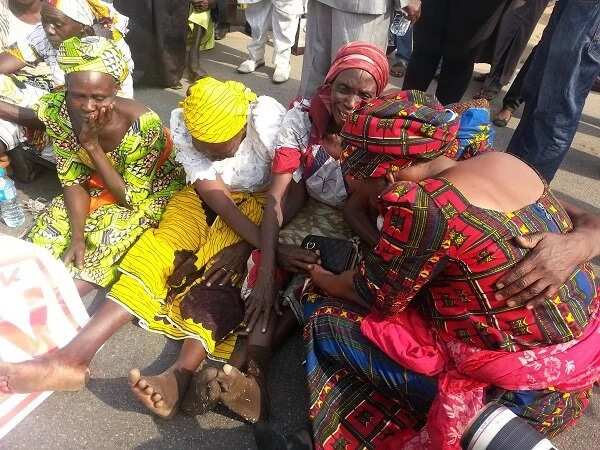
x: 566, y: 62
x: 404, y: 46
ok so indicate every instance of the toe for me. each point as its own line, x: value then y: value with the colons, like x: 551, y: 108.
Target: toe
x: 133, y: 377
x: 156, y: 397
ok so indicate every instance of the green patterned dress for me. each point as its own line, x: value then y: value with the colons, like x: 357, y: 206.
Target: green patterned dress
x: 110, y: 230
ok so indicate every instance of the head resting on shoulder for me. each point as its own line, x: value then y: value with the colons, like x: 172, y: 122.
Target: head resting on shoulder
x: 402, y: 131
x: 216, y: 114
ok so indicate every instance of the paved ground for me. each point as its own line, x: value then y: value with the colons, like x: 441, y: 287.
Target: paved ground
x: 105, y: 415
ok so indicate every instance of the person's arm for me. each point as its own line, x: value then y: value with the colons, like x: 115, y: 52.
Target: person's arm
x: 10, y: 63
x: 359, y: 209
x: 552, y: 259
x: 338, y: 286
x: 77, y: 202
x: 356, y: 215
x: 88, y: 138
x: 26, y: 117
x: 262, y: 299
x: 218, y: 198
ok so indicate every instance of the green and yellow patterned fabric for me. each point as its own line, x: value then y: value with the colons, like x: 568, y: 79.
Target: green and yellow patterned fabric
x: 110, y: 229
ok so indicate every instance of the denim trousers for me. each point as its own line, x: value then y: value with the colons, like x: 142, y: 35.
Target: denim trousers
x: 560, y: 76
x: 404, y: 46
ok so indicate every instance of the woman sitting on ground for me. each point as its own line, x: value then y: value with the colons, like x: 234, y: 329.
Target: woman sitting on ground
x: 114, y: 162
x: 172, y: 280
x: 22, y: 84
x: 305, y: 161
x: 406, y: 349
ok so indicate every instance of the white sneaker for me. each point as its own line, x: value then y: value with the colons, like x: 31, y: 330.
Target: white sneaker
x: 250, y: 66
x: 281, y: 74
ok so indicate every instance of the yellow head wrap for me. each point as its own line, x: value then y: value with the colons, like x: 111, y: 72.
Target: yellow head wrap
x: 92, y: 53
x: 215, y: 111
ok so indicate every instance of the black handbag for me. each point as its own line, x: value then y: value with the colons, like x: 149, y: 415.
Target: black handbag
x: 337, y: 255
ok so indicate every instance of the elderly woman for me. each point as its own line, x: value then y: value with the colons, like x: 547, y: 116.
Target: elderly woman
x: 176, y: 278
x: 404, y: 350
x: 21, y: 82
x: 113, y: 159
x: 305, y: 161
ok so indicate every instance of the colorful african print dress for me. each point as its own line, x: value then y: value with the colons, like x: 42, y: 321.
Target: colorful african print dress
x: 435, y: 268
x: 161, y: 271
x: 151, y: 177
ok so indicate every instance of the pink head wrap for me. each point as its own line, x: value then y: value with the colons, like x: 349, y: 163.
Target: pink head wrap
x: 361, y: 55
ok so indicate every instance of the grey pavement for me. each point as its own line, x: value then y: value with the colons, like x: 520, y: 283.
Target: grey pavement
x: 106, y: 416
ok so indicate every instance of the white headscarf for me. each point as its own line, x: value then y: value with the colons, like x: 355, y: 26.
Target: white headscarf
x: 88, y: 12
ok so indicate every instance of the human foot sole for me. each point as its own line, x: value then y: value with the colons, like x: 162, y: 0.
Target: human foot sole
x: 203, y: 393
x: 241, y: 393
x: 43, y: 374
x: 160, y: 393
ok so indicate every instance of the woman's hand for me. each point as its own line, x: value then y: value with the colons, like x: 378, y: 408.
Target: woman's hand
x: 337, y: 286
x: 413, y: 10
x: 229, y: 265
x: 538, y: 276
x: 293, y: 258
x: 90, y: 129
x: 75, y: 254
x: 332, y: 143
x: 325, y: 280
x: 261, y: 302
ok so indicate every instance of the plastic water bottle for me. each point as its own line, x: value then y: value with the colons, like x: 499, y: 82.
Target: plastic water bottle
x: 12, y: 213
x: 400, y: 24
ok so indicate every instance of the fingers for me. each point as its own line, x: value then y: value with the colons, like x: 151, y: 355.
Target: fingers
x: 79, y: 256
x: 530, y: 240
x: 532, y: 291
x: 265, y: 320
x: 253, y: 319
x: 68, y: 257
x: 277, y: 307
x: 518, y: 280
x: 514, y: 277
x: 214, y: 275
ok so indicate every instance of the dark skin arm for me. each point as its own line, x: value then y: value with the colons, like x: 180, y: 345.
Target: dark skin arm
x: 21, y: 116
x: 217, y: 196
x: 552, y: 259
x: 10, y: 64
x: 77, y: 202
x: 88, y: 138
x: 338, y: 286
x: 360, y: 210
x: 262, y: 299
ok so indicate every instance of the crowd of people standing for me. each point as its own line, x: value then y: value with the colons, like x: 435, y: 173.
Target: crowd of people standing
x: 465, y: 287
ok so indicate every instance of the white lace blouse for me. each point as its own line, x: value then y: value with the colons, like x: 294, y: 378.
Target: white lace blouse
x: 249, y: 170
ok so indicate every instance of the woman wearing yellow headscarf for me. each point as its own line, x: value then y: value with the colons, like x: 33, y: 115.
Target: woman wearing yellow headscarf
x: 173, y: 279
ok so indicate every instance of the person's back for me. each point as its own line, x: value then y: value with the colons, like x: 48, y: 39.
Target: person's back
x: 483, y: 203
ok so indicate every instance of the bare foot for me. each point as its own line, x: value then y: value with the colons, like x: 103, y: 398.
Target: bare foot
x: 203, y: 394
x: 161, y: 393
x: 241, y: 393
x: 42, y: 374
x: 502, y: 118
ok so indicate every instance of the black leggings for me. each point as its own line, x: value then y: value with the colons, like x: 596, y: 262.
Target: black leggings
x: 451, y: 31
